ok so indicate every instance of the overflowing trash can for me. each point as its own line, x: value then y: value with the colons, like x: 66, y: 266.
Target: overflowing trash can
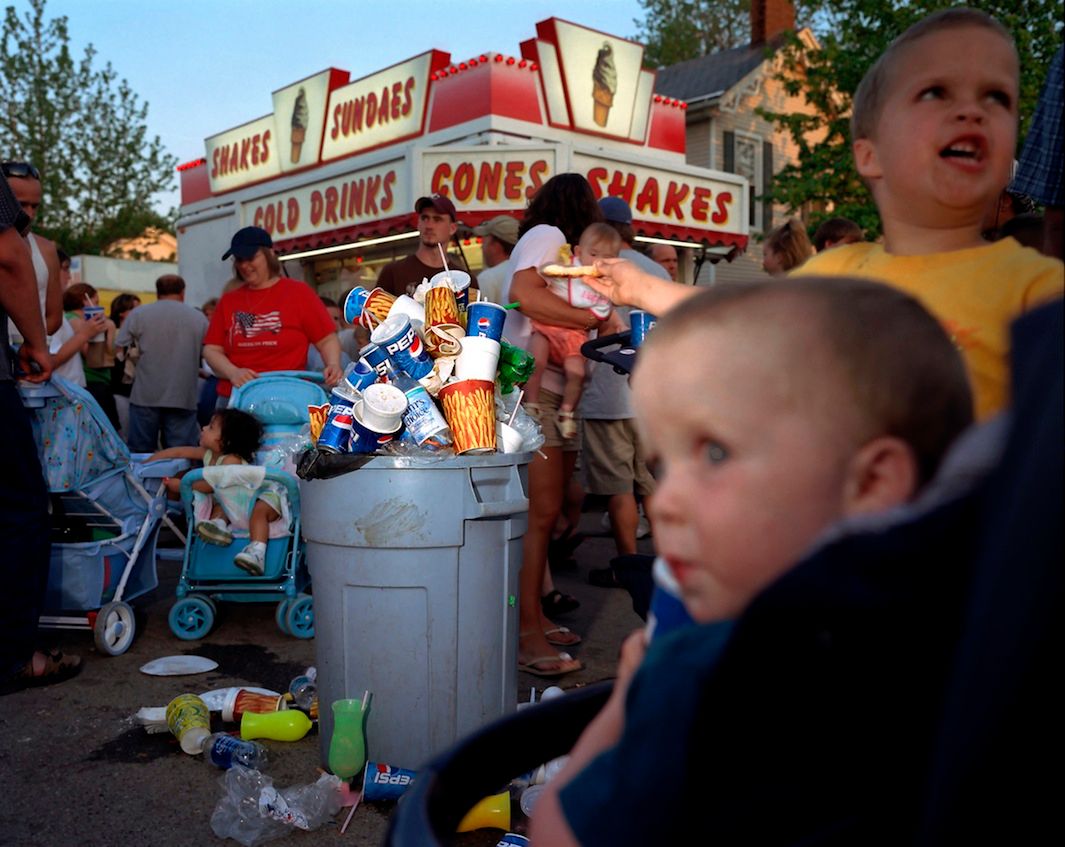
x: 415, y: 567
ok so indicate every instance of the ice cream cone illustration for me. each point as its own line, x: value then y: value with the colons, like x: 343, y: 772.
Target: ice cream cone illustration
x: 300, y: 116
x: 604, y: 84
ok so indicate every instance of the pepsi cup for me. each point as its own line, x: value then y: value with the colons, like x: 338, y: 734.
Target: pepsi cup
x: 641, y: 323
x: 365, y: 439
x: 385, y: 782
x: 513, y: 839
x: 353, y: 304
x: 377, y: 359
x: 398, y: 338
x: 336, y: 434
x: 667, y: 611
x: 485, y: 319
x: 361, y: 375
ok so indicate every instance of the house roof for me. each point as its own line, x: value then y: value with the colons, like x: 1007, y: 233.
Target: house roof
x: 713, y: 74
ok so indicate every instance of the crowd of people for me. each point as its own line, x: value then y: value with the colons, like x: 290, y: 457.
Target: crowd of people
x: 833, y: 391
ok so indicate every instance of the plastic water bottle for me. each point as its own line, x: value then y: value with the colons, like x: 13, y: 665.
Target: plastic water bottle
x: 423, y: 423
x: 304, y: 690
x: 223, y: 751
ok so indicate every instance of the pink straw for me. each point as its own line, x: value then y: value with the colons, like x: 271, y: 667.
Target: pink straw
x: 354, y: 806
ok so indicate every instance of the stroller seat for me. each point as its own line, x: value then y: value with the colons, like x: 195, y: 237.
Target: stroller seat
x: 209, y: 574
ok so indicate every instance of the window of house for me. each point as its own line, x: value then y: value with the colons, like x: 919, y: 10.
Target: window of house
x: 752, y: 157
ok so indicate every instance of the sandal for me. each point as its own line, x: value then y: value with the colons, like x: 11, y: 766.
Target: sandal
x: 573, y: 641
x: 557, y: 603
x: 566, y: 664
x: 57, y: 668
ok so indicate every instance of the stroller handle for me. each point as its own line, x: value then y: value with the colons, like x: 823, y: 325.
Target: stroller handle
x: 622, y: 359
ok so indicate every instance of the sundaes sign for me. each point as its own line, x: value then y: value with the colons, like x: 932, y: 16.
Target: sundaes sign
x: 380, y: 109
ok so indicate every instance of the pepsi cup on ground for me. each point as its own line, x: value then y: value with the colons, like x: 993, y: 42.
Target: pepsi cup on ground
x: 385, y: 782
x: 397, y: 337
x: 667, y: 611
x: 485, y: 319
x: 641, y: 323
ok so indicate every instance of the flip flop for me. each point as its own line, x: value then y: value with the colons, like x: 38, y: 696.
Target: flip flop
x: 57, y: 668
x: 557, y: 603
x: 569, y: 664
x: 563, y: 630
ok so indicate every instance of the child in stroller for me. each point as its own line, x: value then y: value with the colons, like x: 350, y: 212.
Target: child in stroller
x: 231, y: 437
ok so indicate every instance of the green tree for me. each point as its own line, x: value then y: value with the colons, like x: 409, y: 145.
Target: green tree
x: 85, y: 129
x: 852, y: 34
x: 676, y: 30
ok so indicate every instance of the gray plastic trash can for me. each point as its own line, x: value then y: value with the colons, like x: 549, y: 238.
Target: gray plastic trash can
x: 415, y: 572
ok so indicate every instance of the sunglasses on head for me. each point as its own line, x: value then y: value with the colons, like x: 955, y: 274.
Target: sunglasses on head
x: 20, y: 169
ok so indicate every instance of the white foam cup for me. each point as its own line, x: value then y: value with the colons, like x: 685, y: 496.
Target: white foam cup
x: 508, y: 439
x: 383, y: 407
x: 478, y: 359
x: 407, y: 305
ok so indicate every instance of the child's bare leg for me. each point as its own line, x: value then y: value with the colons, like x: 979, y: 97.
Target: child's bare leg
x: 540, y: 350
x: 259, y: 524
x: 575, y: 373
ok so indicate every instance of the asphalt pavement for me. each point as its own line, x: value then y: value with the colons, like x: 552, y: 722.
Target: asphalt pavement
x: 77, y: 769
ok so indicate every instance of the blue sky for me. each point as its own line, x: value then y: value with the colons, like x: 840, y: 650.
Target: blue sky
x: 204, y: 66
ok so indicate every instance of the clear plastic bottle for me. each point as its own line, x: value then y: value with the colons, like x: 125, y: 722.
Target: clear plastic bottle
x: 304, y: 689
x: 224, y: 750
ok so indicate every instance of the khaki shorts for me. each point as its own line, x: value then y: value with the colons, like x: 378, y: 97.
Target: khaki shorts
x: 613, y: 459
x: 547, y: 417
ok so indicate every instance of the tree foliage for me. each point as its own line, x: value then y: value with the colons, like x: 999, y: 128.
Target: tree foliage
x: 852, y: 34
x: 85, y: 129
x: 676, y: 30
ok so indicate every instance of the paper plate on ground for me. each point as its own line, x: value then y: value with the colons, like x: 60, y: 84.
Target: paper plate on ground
x: 178, y: 665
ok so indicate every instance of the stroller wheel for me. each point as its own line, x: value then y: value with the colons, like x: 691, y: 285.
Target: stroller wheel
x: 191, y: 618
x: 114, y: 628
x: 300, y: 617
x: 281, y: 616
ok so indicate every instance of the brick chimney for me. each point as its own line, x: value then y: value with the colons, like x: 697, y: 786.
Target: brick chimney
x: 769, y: 18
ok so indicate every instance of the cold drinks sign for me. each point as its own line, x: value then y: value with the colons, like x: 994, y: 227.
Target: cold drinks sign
x: 480, y: 181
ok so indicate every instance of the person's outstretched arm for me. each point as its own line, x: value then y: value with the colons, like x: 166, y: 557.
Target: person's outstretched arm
x: 626, y: 284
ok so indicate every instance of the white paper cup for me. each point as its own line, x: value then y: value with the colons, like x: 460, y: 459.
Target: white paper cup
x: 383, y: 407
x: 478, y: 359
x: 406, y: 305
x: 508, y: 439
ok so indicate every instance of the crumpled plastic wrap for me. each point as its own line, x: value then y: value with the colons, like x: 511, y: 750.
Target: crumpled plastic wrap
x: 252, y: 811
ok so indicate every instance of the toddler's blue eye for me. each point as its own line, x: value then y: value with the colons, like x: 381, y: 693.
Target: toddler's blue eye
x: 716, y: 453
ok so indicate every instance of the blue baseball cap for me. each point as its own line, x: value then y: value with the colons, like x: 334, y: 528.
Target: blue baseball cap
x: 615, y: 210
x: 246, y: 242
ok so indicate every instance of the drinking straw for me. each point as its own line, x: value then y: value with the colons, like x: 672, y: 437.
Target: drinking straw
x: 443, y: 257
x: 365, y: 700
x: 515, y: 305
x: 354, y: 806
x: 521, y: 393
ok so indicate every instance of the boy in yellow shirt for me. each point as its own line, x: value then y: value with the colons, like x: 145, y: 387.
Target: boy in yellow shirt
x: 935, y: 130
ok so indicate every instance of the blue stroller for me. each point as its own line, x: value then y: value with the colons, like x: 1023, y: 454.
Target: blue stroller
x: 105, y: 517
x: 208, y: 574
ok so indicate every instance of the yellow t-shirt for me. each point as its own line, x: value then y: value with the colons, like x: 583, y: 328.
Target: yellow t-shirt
x: 975, y: 293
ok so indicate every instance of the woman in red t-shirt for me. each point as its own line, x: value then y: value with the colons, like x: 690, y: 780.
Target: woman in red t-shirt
x: 267, y: 323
